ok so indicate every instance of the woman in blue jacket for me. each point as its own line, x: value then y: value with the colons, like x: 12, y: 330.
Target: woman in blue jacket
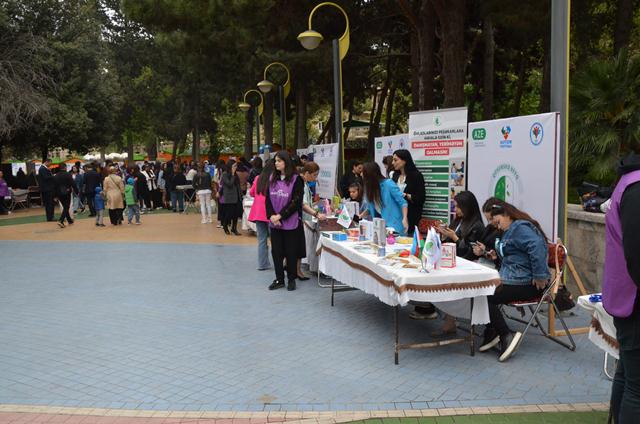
x: 524, y: 272
x: 384, y: 198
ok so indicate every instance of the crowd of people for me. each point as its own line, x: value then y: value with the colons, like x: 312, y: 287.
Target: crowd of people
x: 286, y: 210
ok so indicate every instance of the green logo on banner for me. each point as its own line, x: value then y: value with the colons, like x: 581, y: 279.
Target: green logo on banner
x: 479, y: 134
x: 379, y: 145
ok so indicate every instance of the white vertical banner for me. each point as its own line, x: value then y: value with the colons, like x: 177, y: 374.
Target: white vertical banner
x: 438, y: 147
x: 15, y: 166
x: 516, y: 160
x: 326, y: 156
x: 385, y: 146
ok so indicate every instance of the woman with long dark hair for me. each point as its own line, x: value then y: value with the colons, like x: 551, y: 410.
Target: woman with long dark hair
x: 411, y: 183
x: 467, y: 226
x: 384, y: 198
x: 258, y: 213
x: 284, y: 209
x: 231, y: 200
x: 524, y: 272
x: 464, y: 231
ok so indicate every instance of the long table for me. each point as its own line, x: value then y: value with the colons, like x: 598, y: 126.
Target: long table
x: 469, y: 284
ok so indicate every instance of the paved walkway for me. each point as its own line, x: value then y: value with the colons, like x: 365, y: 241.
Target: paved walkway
x: 164, y: 321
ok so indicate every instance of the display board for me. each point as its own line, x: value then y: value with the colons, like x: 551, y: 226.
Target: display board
x: 326, y: 156
x: 15, y: 166
x: 385, y: 146
x: 516, y: 160
x: 438, y: 146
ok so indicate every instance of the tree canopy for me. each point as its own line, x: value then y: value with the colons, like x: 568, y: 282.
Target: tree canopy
x: 87, y: 74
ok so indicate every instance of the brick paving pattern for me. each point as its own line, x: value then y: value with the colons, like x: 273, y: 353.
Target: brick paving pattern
x: 192, y: 327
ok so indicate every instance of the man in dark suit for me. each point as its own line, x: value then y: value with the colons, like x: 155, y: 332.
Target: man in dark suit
x: 91, y: 180
x: 45, y: 181
x: 64, y: 187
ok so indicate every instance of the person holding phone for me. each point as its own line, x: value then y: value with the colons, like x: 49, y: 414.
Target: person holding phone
x: 524, y: 272
x: 484, y: 248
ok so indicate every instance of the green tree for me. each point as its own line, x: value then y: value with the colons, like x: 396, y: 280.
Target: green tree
x: 605, y: 115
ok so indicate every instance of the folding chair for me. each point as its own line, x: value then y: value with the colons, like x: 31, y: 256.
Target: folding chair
x: 556, y: 261
x: 19, y: 198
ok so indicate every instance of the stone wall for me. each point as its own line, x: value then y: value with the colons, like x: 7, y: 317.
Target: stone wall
x: 586, y: 247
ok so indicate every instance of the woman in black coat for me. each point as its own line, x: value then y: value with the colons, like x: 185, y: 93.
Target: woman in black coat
x: 411, y: 183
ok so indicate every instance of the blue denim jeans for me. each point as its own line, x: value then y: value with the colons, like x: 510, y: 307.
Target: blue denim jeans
x: 133, y: 210
x: 179, y: 197
x: 262, y: 229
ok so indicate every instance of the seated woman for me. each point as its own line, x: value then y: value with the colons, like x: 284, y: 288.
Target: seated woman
x: 464, y: 231
x: 487, y: 240
x: 524, y: 272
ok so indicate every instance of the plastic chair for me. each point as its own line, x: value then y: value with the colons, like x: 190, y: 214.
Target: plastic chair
x: 19, y: 198
x: 556, y: 260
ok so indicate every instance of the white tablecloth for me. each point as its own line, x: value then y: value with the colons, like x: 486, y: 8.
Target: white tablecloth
x: 398, y: 286
x: 602, y: 331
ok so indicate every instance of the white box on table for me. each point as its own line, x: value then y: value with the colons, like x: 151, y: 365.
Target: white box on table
x: 448, y: 257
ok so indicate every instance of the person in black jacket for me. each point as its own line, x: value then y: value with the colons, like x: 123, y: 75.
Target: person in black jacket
x: 92, y: 179
x: 464, y: 231
x: 64, y: 188
x: 353, y: 176
x: 411, y: 184
x: 486, y: 243
x: 467, y: 227
x: 45, y: 181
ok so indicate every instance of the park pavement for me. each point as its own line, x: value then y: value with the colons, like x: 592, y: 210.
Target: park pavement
x: 123, y: 322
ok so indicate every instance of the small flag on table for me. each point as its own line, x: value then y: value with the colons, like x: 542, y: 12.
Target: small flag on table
x: 415, y: 245
x: 344, y: 218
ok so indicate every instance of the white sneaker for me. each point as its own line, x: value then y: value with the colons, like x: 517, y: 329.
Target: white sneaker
x: 209, y: 221
x: 204, y: 221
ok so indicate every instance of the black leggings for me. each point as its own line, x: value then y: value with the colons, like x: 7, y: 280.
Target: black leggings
x: 284, y: 245
x: 506, y: 293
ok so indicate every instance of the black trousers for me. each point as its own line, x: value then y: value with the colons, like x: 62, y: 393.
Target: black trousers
x: 284, y: 245
x: 66, y: 203
x: 115, y: 216
x: 625, y: 395
x: 47, y: 202
x: 90, y: 198
x: 504, y: 294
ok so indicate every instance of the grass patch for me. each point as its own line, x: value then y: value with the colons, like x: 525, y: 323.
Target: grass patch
x: 522, y: 418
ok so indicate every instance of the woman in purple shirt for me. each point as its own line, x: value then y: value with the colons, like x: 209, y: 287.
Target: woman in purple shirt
x: 284, y: 208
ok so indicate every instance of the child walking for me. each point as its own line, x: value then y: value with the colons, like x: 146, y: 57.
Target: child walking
x: 99, y: 206
x: 131, y: 197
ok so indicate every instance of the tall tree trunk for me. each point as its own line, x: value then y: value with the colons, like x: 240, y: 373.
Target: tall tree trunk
x: 130, y: 151
x: 451, y: 17
x: 414, y: 52
x: 345, y: 136
x: 545, y: 93
x: 44, y: 151
x: 422, y: 22
x: 103, y: 154
x: 248, y: 133
x: 427, y: 58
x: 174, y: 150
x: 389, y: 111
x: 195, y: 148
x: 267, y: 115
x: 522, y: 78
x: 325, y: 130
x: 488, y: 68
x: 624, y: 24
x: 152, y: 149
x: 302, y: 135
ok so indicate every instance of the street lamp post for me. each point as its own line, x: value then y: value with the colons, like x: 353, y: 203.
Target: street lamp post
x: 283, y: 91
x: 245, y: 106
x: 311, y: 39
